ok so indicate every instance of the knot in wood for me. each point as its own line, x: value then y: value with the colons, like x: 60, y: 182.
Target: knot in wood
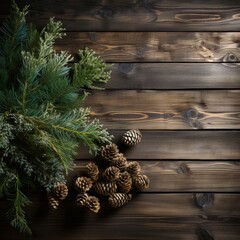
x: 141, y: 50
x: 148, y: 4
x: 192, y: 114
x: 93, y: 37
x: 192, y: 117
x: 106, y: 13
x: 230, y: 57
x: 204, y: 234
x: 125, y: 67
x: 183, y: 168
x: 204, y: 199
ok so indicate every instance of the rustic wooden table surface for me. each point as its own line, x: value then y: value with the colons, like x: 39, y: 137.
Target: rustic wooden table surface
x: 176, y: 77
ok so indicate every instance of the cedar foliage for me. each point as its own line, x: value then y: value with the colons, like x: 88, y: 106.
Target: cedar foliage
x: 41, y: 115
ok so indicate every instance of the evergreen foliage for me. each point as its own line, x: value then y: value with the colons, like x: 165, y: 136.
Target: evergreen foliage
x: 41, y: 115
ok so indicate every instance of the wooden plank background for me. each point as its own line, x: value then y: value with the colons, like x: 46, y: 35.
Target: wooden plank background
x: 157, y: 46
x: 175, y: 76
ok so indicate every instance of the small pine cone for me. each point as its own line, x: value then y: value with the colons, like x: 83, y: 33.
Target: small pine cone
x: 81, y: 199
x: 93, y: 204
x: 60, y: 191
x: 119, y: 156
x: 120, y: 162
x: 124, y: 182
x: 119, y: 199
x: 53, y: 202
x: 105, y: 189
x: 92, y: 171
x: 83, y: 184
x: 111, y: 173
x: 109, y: 151
x: 134, y: 168
x: 141, y: 182
x: 132, y: 137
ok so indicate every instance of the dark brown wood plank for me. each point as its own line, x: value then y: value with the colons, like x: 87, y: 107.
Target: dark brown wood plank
x: 180, y: 145
x: 147, y: 216
x: 206, y: 109
x: 126, y: 228
x: 157, y: 46
x: 109, y: 15
x: 185, y: 176
x: 174, y: 76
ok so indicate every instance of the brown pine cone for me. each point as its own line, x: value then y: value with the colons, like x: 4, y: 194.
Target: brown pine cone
x: 133, y: 168
x: 81, y: 199
x: 93, y: 204
x: 91, y: 171
x: 53, y: 202
x: 105, y: 189
x: 83, y: 184
x: 119, y: 199
x: 111, y: 173
x: 119, y: 161
x: 124, y: 182
x: 132, y: 137
x: 141, y: 182
x: 109, y: 151
x: 60, y: 191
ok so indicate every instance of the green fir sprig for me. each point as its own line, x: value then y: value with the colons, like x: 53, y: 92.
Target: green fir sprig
x: 42, y: 119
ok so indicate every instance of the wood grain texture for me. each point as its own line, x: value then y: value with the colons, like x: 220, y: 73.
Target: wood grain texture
x: 179, y: 145
x: 147, y: 216
x: 123, y: 109
x: 154, y: 76
x: 157, y: 46
x: 185, y: 176
x: 128, y: 228
x: 191, y: 137
x: 136, y: 15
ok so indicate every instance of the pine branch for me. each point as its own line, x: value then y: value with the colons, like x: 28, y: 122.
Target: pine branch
x: 6, y: 177
x: 73, y: 124
x: 90, y: 70
x: 12, y: 42
x: 18, y: 201
x: 49, y: 34
x: 30, y: 72
x: 41, y: 116
x: 47, y: 139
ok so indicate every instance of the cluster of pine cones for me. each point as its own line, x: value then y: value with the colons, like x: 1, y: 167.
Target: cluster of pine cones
x: 114, y: 178
x: 58, y: 194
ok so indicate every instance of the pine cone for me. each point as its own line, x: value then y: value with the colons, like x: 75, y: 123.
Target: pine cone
x: 141, y: 182
x: 109, y: 151
x: 119, y: 161
x: 53, y: 202
x: 105, y: 189
x: 124, y: 182
x: 81, y: 199
x: 60, y: 191
x: 83, y: 184
x: 134, y: 168
x: 91, y: 171
x: 132, y: 137
x: 111, y: 173
x: 93, y: 204
x: 119, y: 199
